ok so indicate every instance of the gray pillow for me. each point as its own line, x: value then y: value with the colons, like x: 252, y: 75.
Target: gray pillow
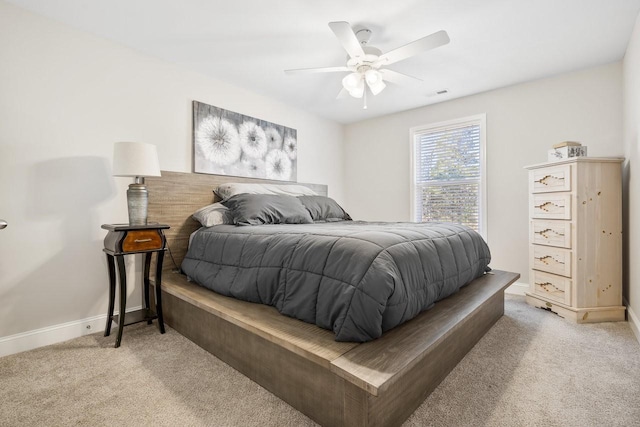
x: 257, y: 209
x: 224, y: 191
x: 211, y: 215
x: 324, y: 209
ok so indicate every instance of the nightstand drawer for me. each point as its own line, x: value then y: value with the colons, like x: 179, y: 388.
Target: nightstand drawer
x: 551, y: 206
x: 142, y: 240
x: 550, y: 179
x: 124, y: 239
x: 553, y: 287
x: 551, y: 260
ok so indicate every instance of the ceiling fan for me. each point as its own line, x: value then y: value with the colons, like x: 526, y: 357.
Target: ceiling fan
x: 366, y: 63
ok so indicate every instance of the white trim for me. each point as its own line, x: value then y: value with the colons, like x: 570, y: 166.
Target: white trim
x: 634, y: 321
x: 29, y: 340
x: 482, y: 119
x: 518, y: 288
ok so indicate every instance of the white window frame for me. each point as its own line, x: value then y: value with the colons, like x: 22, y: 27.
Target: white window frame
x: 480, y: 119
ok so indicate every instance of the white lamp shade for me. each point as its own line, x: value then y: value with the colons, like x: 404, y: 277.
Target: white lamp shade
x: 352, y: 81
x: 374, y: 80
x: 372, y: 77
x: 354, y: 84
x: 135, y: 159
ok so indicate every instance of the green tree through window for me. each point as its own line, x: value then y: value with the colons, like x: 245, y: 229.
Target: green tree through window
x: 448, y: 169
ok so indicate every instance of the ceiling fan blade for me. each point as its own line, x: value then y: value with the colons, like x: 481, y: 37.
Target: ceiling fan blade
x: 347, y: 38
x: 426, y: 43
x: 343, y: 94
x: 317, y: 70
x: 398, y: 78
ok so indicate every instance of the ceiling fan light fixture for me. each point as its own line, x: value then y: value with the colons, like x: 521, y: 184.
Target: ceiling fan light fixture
x: 357, y: 92
x: 374, y: 80
x: 352, y: 81
x: 354, y: 84
x: 373, y: 76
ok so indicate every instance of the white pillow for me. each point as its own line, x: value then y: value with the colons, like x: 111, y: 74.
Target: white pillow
x: 211, y: 215
x: 225, y: 191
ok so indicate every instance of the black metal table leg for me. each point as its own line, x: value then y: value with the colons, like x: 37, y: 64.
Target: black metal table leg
x: 159, y: 291
x: 122, y: 274
x: 112, y: 293
x: 147, y: 267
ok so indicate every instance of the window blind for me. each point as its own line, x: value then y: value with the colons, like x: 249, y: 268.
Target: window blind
x: 448, y: 174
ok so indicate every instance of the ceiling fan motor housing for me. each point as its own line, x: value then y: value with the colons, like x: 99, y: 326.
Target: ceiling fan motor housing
x: 362, y: 64
x: 363, y: 36
x: 366, y: 62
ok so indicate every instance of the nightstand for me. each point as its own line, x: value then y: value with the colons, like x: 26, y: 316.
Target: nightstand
x: 124, y: 239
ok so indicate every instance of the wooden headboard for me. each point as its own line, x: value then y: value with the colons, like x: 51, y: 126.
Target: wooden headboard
x: 175, y: 196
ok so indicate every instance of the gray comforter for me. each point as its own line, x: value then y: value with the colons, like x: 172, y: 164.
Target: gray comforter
x: 355, y: 278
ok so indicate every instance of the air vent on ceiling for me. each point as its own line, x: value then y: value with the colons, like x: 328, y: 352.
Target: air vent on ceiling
x: 438, y: 93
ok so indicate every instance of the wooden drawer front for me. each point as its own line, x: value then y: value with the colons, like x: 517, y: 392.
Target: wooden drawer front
x: 556, y: 288
x: 551, y: 233
x: 550, y: 179
x: 142, y: 240
x: 552, y: 206
x: 552, y: 260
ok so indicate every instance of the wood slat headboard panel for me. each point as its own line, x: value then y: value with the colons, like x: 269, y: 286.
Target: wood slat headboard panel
x: 175, y: 196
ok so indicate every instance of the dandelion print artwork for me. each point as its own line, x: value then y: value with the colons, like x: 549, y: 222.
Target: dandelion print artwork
x: 229, y: 143
x: 277, y: 164
x: 255, y: 168
x: 290, y: 147
x: 217, y: 140
x: 253, y: 140
x: 274, y: 139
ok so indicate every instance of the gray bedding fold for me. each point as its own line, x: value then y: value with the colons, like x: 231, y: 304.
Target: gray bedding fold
x: 355, y: 278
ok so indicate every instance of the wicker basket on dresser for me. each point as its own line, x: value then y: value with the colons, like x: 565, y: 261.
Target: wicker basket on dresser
x: 575, y: 238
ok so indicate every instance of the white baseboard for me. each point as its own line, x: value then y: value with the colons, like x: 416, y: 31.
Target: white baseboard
x: 518, y: 288
x: 53, y: 334
x: 634, y: 321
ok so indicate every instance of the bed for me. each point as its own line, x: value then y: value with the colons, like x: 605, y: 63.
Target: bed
x: 358, y: 279
x: 380, y: 382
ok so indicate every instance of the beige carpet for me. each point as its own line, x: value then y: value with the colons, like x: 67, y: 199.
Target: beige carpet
x: 531, y: 369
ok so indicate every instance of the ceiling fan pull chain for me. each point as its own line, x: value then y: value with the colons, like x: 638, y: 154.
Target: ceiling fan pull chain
x: 365, y: 98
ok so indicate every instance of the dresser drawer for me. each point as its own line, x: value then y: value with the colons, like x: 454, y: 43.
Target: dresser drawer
x: 553, y: 287
x: 551, y: 206
x: 142, y: 240
x: 551, y: 233
x: 551, y: 260
x: 550, y: 179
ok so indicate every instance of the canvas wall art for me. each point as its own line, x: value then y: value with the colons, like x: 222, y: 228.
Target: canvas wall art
x: 230, y: 143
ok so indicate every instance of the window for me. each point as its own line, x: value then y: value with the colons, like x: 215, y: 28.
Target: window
x: 448, y: 172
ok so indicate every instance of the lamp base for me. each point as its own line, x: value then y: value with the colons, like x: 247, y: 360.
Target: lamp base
x: 137, y: 202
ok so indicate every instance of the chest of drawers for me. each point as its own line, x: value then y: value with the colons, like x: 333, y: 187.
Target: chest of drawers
x: 575, y: 238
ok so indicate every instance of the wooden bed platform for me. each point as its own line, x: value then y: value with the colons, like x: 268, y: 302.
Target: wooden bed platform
x: 379, y: 383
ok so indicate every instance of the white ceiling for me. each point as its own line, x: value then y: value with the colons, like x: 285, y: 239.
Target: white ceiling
x: 494, y: 43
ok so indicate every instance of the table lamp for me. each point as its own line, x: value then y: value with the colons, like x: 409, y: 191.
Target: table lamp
x: 136, y: 159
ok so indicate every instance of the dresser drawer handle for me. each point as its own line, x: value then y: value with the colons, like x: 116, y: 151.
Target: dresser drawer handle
x: 546, y: 177
x: 544, y: 232
x: 543, y: 259
x: 544, y: 206
x: 546, y: 285
x: 142, y: 240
